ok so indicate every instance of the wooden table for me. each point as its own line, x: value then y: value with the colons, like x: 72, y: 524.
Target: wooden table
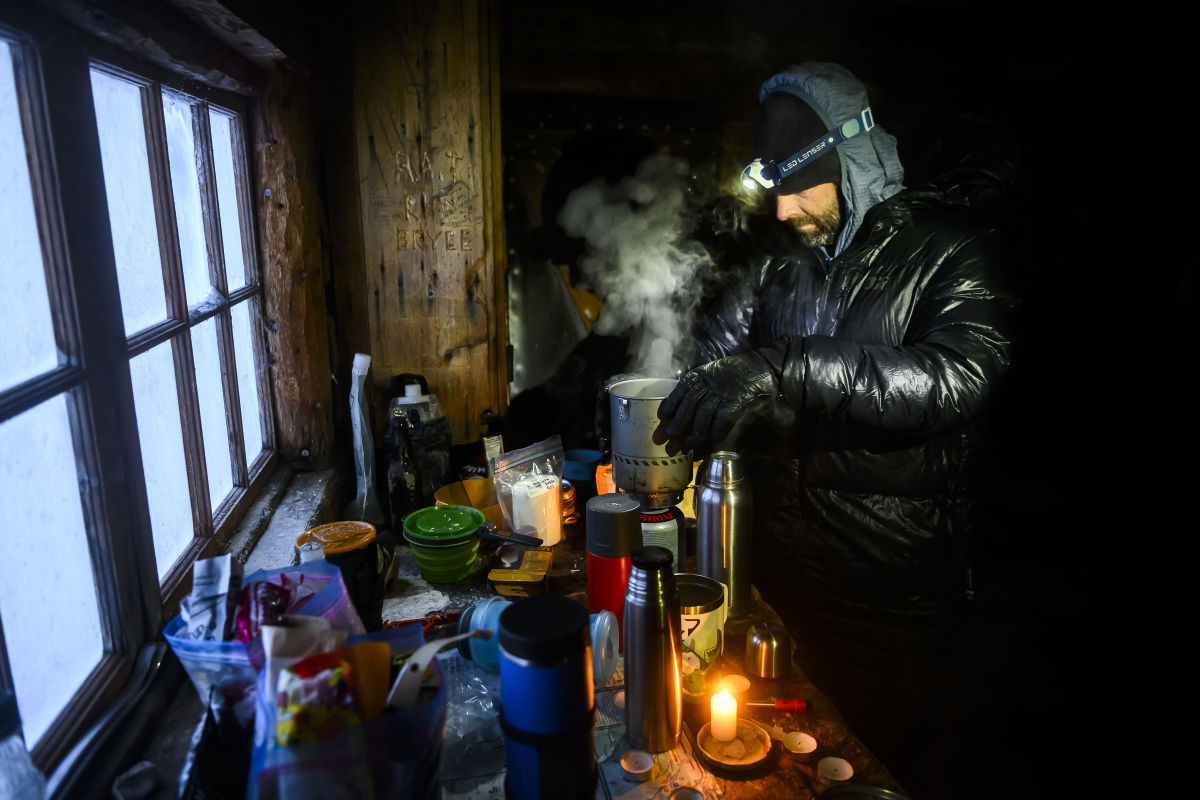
x: 780, y: 775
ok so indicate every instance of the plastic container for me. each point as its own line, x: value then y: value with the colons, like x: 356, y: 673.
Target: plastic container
x: 484, y: 614
x: 429, y: 432
x: 350, y: 545
x: 474, y: 492
x: 444, y: 541
x: 486, y: 652
x: 580, y: 465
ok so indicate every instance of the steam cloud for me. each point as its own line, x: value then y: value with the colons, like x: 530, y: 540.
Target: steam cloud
x: 640, y: 261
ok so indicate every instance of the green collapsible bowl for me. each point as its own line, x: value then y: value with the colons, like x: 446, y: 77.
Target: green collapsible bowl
x: 444, y: 540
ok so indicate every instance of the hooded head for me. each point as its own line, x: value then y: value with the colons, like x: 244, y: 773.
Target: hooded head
x: 805, y: 102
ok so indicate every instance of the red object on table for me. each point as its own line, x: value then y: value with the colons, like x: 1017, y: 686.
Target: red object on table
x: 795, y: 704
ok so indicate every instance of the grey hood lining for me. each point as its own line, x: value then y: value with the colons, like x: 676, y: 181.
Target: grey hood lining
x: 871, y: 169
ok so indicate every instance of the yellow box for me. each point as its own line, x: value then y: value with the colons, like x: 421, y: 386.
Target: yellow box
x: 529, y: 578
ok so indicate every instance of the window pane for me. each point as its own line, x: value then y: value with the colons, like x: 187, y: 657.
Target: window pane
x: 221, y: 128
x: 27, y: 346
x: 47, y: 592
x: 119, y: 121
x: 161, y: 436
x: 185, y: 185
x: 247, y: 381
x: 212, y: 411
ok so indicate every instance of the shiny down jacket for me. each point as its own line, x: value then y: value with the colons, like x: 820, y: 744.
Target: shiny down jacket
x: 894, y: 347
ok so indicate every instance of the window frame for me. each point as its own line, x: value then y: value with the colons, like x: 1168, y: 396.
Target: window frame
x: 248, y: 478
x: 52, y: 68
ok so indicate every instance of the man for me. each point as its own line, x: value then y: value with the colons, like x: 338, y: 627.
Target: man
x: 875, y: 346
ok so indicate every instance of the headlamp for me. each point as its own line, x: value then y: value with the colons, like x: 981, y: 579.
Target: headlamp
x: 769, y: 174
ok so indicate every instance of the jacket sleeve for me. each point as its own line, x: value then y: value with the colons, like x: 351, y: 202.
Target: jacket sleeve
x: 955, y: 348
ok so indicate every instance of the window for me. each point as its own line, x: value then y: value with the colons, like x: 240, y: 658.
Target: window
x: 135, y: 418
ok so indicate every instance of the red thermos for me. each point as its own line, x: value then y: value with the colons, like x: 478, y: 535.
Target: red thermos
x: 614, y: 531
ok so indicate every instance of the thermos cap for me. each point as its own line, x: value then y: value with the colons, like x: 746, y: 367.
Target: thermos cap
x: 545, y: 628
x: 724, y: 468
x: 654, y: 558
x: 768, y: 651
x: 614, y: 525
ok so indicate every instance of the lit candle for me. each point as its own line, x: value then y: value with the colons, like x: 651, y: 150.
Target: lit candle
x: 724, y: 716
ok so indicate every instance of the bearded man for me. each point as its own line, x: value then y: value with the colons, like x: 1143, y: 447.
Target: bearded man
x: 869, y: 353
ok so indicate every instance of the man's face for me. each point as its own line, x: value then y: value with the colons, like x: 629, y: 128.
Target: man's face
x: 814, y: 213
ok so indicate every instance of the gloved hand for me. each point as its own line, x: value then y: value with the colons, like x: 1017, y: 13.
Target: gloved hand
x: 715, y: 399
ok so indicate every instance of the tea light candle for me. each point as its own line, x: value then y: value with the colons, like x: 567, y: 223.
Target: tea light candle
x: 723, y: 723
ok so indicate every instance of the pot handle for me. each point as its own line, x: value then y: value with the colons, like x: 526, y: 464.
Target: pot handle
x: 488, y: 530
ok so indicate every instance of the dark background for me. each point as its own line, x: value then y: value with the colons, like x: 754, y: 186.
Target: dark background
x: 1079, y: 580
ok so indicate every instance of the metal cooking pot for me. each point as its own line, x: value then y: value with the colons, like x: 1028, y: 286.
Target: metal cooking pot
x: 641, y: 464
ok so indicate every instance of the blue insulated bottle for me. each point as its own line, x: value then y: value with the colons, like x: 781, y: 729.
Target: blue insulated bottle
x: 548, y: 709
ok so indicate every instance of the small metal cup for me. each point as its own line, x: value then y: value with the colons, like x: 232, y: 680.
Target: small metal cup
x: 768, y: 651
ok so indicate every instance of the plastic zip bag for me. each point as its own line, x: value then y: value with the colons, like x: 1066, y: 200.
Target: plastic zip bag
x: 365, y: 506
x: 529, y: 488
x: 231, y: 667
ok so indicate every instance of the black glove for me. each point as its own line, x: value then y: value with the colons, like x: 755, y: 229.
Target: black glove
x: 715, y: 399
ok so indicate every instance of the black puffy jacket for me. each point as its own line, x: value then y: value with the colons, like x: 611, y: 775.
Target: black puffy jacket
x: 893, y: 347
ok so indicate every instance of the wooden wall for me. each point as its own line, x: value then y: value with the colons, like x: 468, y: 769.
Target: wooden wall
x: 420, y: 295
x: 295, y: 274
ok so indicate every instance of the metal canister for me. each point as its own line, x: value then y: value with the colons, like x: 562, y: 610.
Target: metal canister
x: 614, y: 531
x: 653, y: 693
x: 724, y: 522
x: 642, y: 463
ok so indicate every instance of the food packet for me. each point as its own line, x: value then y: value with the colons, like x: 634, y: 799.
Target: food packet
x: 315, y: 700
x: 320, y: 696
x: 266, y: 602
x: 529, y: 488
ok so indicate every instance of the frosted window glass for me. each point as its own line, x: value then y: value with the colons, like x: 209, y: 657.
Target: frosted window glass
x: 47, y: 592
x: 243, y: 347
x: 185, y: 186
x: 212, y: 411
x: 161, y: 436
x: 119, y: 122
x: 28, y: 346
x: 221, y: 130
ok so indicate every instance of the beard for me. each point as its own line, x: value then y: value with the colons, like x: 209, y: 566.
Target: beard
x: 818, y: 230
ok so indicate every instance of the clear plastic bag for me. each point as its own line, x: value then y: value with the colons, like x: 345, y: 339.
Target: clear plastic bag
x: 529, y: 488
x: 474, y: 742
x: 232, y: 667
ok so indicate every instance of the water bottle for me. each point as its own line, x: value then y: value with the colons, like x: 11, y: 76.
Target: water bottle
x: 19, y: 778
x: 653, y: 641
x: 724, y: 525
x: 548, y: 711
x: 614, y: 531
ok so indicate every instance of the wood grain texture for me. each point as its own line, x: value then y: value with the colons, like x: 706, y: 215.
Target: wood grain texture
x: 424, y: 150
x: 294, y: 275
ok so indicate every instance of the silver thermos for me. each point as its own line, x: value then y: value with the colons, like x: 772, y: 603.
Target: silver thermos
x: 724, y: 519
x: 653, y: 640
